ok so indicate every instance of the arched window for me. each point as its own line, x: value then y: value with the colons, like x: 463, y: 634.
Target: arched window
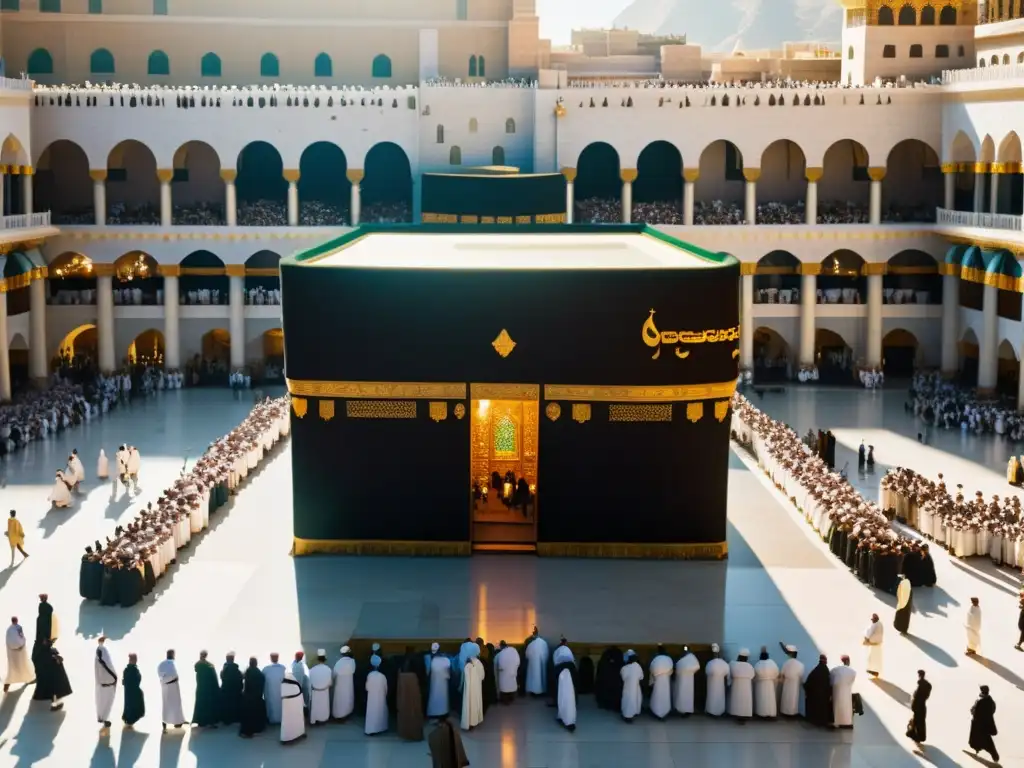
x: 908, y: 16
x: 49, y: 6
x: 981, y: 62
x: 960, y: 51
x: 480, y: 66
x: 381, y: 66
x: 472, y: 66
x: 928, y: 15
x: 40, y: 62
x: 473, y: 125
x: 498, y: 156
x: 885, y: 18
x: 440, y: 134
x: 159, y: 64
x: 209, y: 65
x: 947, y: 15
x: 322, y: 66
x: 455, y: 156
x: 101, y: 62
x: 1006, y: 59
x: 994, y: 61
x: 1020, y: 58
x: 269, y: 66
x: 159, y: 7
x: 916, y: 51
x: 849, y: 53
x: 95, y: 6
x: 461, y: 9
x: 888, y: 51
x: 941, y: 51
x: 510, y: 126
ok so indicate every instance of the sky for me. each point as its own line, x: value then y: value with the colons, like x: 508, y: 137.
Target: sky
x: 559, y: 17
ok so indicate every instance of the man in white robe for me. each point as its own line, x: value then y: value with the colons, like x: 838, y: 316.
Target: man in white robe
x: 661, y: 684
x: 60, y: 494
x: 293, y: 720
x: 717, y: 674
x: 76, y: 467
x: 792, y: 673
x: 170, y: 693
x: 320, y: 690
x: 469, y: 649
x: 134, y: 464
x: 873, y: 637
x: 537, y: 665
x: 344, y: 688
x: 506, y: 668
x: 973, y: 627
x: 377, y: 699
x: 565, y: 688
x: 472, y: 694
x: 106, y: 683
x: 301, y: 673
x: 102, y: 466
x: 766, y: 677
x: 632, y: 695
x: 741, y: 693
x: 19, y: 664
x: 682, y: 694
x: 273, y: 675
x: 842, y: 678
x: 439, y: 667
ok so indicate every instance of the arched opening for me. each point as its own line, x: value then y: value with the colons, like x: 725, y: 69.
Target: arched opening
x: 17, y: 264
x: 1010, y: 197
x: 912, y: 277
x: 101, y: 62
x: 17, y: 354
x: 387, y: 185
x: 61, y: 184
x: 719, y: 190
x: 777, y: 280
x: 40, y: 62
x: 440, y: 134
x: 928, y: 16
x: 773, y: 360
x: 908, y: 16
x: 845, y: 185
x: 322, y: 66
x: 472, y: 66
x: 137, y: 280
x: 510, y: 125
x: 658, y: 189
x: 159, y: 64
x: 899, y: 354
x: 381, y: 66
x: 498, y: 156
x: 455, y: 156
x: 269, y: 66
x: 783, y: 180
x: 198, y: 190
x: 262, y: 279
x: 72, y: 280
x: 273, y: 356
x: 962, y: 152
x: 324, y: 189
x: 78, y: 350
x: 12, y: 153
x: 473, y: 125
x: 147, y: 349
x: 947, y: 16
x: 1008, y: 369
x: 261, y: 187
x: 833, y: 356
x: 841, y: 280
x: 885, y: 16
x: 203, y: 281
x: 968, y: 349
x: 209, y: 65
x: 216, y: 348
x: 598, y: 187
x: 133, y: 189
x: 912, y: 188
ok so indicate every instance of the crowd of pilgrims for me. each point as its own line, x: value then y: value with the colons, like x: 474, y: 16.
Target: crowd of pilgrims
x: 136, y: 296
x: 126, y: 567
x: 942, y: 403
x: 608, y: 210
x: 257, y: 213
x: 967, y: 527
x: 769, y: 84
x: 791, y: 295
x: 857, y: 531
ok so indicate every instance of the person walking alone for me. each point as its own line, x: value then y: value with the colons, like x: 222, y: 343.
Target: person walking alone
x: 15, y: 536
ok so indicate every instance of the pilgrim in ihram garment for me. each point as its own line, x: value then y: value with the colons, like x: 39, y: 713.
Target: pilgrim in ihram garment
x: 873, y: 638
x: 766, y: 677
x: 842, y: 678
x: 682, y: 694
x: 320, y: 690
x: 472, y: 693
x: 19, y: 668
x: 741, y: 693
x: 506, y: 666
x: 376, y: 699
x: 973, y: 627
x: 792, y: 674
x: 106, y: 683
x: 536, y: 664
x: 632, y: 696
x: 293, y: 718
x: 661, y: 684
x: 440, y: 670
x: 170, y: 693
x: 717, y: 674
x: 344, y: 702
x: 565, y: 684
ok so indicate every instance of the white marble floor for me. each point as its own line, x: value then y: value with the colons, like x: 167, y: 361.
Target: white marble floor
x: 239, y: 590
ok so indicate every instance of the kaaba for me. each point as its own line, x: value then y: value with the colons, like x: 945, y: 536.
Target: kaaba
x: 557, y: 389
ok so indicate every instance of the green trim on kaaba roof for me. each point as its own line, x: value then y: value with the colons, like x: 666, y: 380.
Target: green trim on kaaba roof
x: 323, y: 249
x: 955, y: 255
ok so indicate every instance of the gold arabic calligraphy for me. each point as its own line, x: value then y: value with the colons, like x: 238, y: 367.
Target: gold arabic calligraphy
x: 655, y: 338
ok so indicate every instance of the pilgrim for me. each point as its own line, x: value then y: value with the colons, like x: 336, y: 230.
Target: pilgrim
x: 320, y: 690
x: 51, y: 679
x: 15, y: 536
x: 77, y: 470
x: 106, y: 683
x: 766, y: 677
x: 230, y: 691
x: 873, y: 638
x: 377, y: 699
x: 102, y: 466
x: 632, y: 696
x: 253, y: 714
x: 273, y: 675
x: 301, y: 674
x: 446, y: 750
x: 661, y: 684
x: 818, y: 694
x: 170, y: 692
x: 682, y: 693
x: 904, y: 606
x: 973, y: 626
x: 19, y: 669
x: 608, y: 680
x: 983, y: 725
x: 207, y: 709
x: 60, y: 493
x: 134, y: 702
x: 565, y: 684
x: 472, y: 693
x: 410, y: 696
x: 917, y: 729
x: 792, y: 674
x: 741, y: 693
x: 717, y: 673
x: 293, y: 719
x: 440, y: 670
x: 343, y: 702
x: 536, y: 664
x: 842, y: 678
x: 506, y: 666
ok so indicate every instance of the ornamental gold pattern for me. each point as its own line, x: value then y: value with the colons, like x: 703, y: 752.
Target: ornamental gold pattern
x: 380, y: 409
x: 581, y: 412
x: 694, y: 412
x: 553, y: 411
x: 654, y: 338
x: 636, y: 413
x: 708, y: 551
x: 453, y: 218
x: 399, y: 390
x: 503, y: 344
x: 302, y: 547
x: 640, y: 394
x: 326, y: 410
x: 439, y: 410
x: 299, y: 405
x: 504, y: 391
x: 721, y: 410
x: 460, y: 411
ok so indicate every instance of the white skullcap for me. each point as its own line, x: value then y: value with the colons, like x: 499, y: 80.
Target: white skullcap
x: 434, y: 647
x: 321, y: 652
x: 630, y: 653
x: 375, y: 661
x: 715, y: 648
x: 346, y: 649
x: 376, y: 647
x: 744, y: 652
x: 790, y: 649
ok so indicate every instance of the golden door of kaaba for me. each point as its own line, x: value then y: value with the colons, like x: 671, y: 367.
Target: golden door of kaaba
x: 503, y: 459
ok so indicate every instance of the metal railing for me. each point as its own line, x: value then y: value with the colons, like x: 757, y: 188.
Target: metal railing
x: 26, y: 220
x: 944, y: 216
x: 15, y: 84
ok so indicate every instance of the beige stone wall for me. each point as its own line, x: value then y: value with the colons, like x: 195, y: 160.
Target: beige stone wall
x: 491, y: 10
x: 455, y: 46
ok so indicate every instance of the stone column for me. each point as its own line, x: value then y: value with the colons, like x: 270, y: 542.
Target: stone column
x: 950, y: 318
x: 995, y: 169
x: 172, y: 314
x: 813, y: 176
x: 26, y: 191
x: 355, y: 177
x: 876, y: 174
x: 291, y: 175
x: 690, y: 176
x: 230, y: 198
x: 874, y: 274
x: 628, y: 176
x: 105, y: 317
x: 5, y: 360
x: 166, y: 206
x: 37, y: 361
x: 570, y: 193
x: 988, y: 358
x: 980, y: 169
x: 236, y: 275
x: 750, y: 198
x: 949, y: 186
x: 808, y: 305
x: 747, y: 270
x: 99, y: 195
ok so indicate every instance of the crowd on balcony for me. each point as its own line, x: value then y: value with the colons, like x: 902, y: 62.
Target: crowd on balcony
x: 755, y: 85
x: 261, y: 296
x: 841, y: 296
x: 457, y: 82
x: 942, y: 403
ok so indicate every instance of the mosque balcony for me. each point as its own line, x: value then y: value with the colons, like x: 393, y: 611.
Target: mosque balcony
x: 1007, y: 221
x: 26, y: 226
x: 985, y: 236
x: 19, y: 84
x: 999, y: 77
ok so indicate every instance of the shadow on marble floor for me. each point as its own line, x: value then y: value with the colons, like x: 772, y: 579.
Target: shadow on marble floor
x: 994, y: 666
x: 38, y: 742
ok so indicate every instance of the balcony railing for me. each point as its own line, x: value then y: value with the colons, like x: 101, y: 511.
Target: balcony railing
x: 946, y: 217
x: 26, y: 220
x: 15, y: 84
x: 983, y: 74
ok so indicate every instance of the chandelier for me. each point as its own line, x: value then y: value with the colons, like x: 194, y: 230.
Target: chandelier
x: 77, y: 266
x: 133, y: 266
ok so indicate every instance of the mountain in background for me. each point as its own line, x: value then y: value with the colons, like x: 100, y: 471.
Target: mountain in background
x: 751, y: 24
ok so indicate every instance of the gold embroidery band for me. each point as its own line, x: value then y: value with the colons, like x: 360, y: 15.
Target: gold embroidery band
x: 399, y: 390
x: 709, y: 551
x: 628, y: 394
x: 381, y: 547
x: 504, y: 391
x: 380, y: 409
